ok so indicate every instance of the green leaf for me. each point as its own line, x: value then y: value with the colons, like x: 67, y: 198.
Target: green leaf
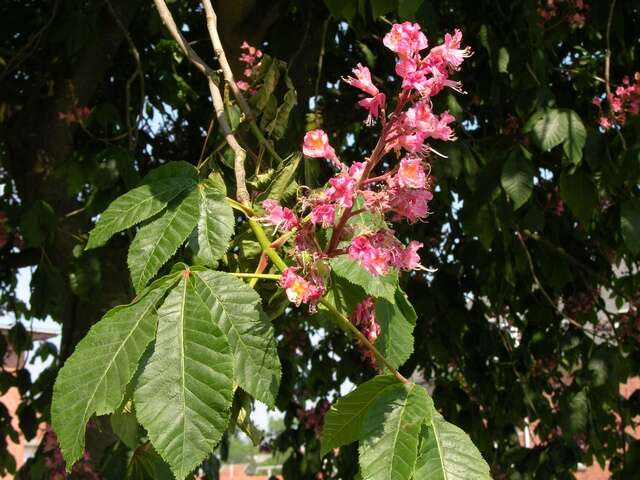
x: 282, y: 179
x: 389, y: 445
x: 94, y: 378
x: 343, y: 422
x: 575, y: 409
x: 407, y: 9
x: 235, y: 309
x: 146, y: 464
x: 156, y: 242
x: 136, y: 206
x: 278, y: 126
x: 517, y: 178
x: 550, y: 129
x: 580, y: 194
x: 407, y: 309
x: 630, y: 224
x: 172, y: 170
x: 447, y: 453
x: 383, y: 286
x: 184, y: 392
x: 396, y: 333
x: 555, y: 126
x: 215, y: 224
x: 382, y: 7
x: 576, y: 137
x: 125, y: 426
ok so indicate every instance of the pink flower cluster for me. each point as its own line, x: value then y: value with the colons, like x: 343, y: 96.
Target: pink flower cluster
x: 380, y: 251
x: 300, y: 290
x: 251, y: 58
x: 625, y: 100
x: 576, y: 14
x: 364, y: 318
x: 54, y: 462
x: 397, y: 188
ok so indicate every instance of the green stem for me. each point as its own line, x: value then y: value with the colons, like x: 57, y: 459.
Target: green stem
x: 343, y: 321
x: 238, y: 206
x: 347, y: 325
x: 263, y: 141
x: 263, y: 276
x: 265, y: 243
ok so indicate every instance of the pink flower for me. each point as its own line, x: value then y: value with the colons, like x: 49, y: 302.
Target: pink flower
x: 323, y: 213
x: 279, y: 216
x: 356, y: 170
x: 364, y: 317
x: 411, y: 204
x: 372, y: 104
x: 362, y: 80
x: 316, y: 145
x: 409, y: 258
x: 375, y: 259
x: 342, y: 190
x: 298, y: 289
x: 242, y: 85
x: 411, y: 173
x: 449, y: 52
x: 405, y: 39
x: 442, y: 129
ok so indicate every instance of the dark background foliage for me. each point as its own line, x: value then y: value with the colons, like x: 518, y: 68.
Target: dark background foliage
x: 512, y: 328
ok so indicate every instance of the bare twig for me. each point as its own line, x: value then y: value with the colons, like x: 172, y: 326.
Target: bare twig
x: 548, y: 298
x: 607, y: 56
x: 138, y: 73
x: 167, y: 18
x: 216, y: 97
x: 242, y: 193
x: 212, y: 26
x: 30, y: 46
x: 204, y: 145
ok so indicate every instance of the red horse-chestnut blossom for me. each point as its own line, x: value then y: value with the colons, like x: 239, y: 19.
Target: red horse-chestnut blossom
x: 393, y: 190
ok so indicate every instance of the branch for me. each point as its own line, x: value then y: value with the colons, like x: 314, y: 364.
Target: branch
x: 24, y: 258
x: 212, y: 26
x: 242, y: 194
x: 133, y: 133
x: 548, y: 298
x: 191, y: 54
x: 607, y: 57
x: 216, y: 97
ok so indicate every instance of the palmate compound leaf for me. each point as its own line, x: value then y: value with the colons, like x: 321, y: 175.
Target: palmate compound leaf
x: 184, y: 392
x: 215, y: 224
x: 235, y: 309
x: 343, y: 422
x: 95, y: 377
x: 390, y: 432
x: 447, y: 453
x: 157, y: 189
x: 156, y: 242
x: 383, y: 286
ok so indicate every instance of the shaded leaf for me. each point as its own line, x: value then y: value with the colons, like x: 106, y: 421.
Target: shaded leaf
x: 630, y: 224
x: 580, y: 194
x: 517, y: 178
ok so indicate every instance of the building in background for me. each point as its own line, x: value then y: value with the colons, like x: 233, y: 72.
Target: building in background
x: 24, y: 449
